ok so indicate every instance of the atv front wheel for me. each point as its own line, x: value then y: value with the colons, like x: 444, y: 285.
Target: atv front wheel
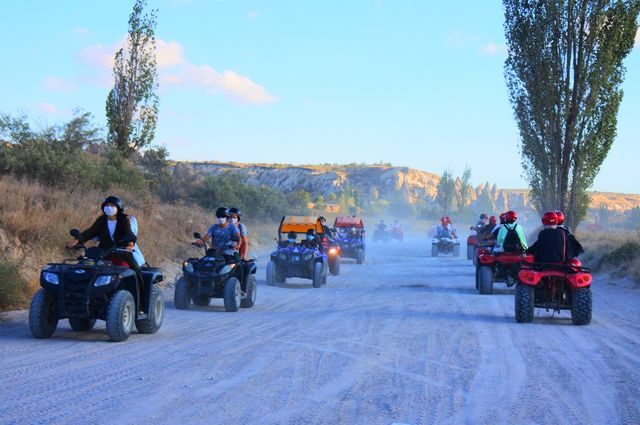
x: 581, y: 305
x: 485, y: 281
x: 232, y: 294
x: 43, y: 317
x: 252, y: 288
x: 524, y: 303
x: 477, y: 278
x: 271, y: 273
x: 334, y: 266
x: 456, y: 251
x: 82, y: 325
x: 154, y: 319
x: 317, y: 275
x: 121, y: 313
x: 182, y: 294
x: 360, y: 256
x: 434, y: 250
x: 469, y: 252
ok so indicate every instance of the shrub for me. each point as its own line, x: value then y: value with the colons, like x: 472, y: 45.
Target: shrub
x: 14, y: 291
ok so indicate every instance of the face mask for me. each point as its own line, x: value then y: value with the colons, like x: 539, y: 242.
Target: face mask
x: 222, y: 220
x: 233, y: 220
x: 292, y: 241
x: 310, y: 237
x: 110, y: 211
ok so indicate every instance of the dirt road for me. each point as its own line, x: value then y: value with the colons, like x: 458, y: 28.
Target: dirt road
x: 404, y: 338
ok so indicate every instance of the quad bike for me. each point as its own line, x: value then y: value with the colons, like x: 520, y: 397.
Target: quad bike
x: 498, y: 267
x: 351, y: 245
x: 332, y: 248
x: 472, y: 243
x: 218, y: 274
x: 304, y: 260
x: 445, y: 246
x: 554, y: 287
x: 380, y: 235
x: 94, y: 286
x: 396, y: 234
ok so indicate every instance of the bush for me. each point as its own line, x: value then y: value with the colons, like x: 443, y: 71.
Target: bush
x: 615, y: 253
x: 14, y: 291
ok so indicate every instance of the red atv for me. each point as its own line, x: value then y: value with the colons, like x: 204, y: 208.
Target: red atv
x: 396, y: 233
x: 498, y: 267
x: 472, y: 242
x: 556, y: 287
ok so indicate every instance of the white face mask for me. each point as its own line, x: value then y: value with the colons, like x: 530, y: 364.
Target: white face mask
x: 222, y: 220
x: 233, y: 220
x: 109, y: 210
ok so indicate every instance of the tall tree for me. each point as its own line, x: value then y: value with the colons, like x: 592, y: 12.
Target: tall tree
x: 564, y: 72
x: 132, y: 104
x: 446, y: 192
x: 464, y: 197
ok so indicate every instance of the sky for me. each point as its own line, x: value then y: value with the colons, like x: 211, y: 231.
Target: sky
x: 417, y: 83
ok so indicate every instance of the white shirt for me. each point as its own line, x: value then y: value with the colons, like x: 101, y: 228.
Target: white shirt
x: 112, y: 227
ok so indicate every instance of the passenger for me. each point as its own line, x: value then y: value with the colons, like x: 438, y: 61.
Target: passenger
x: 574, y: 245
x: 487, y: 231
x: 511, y: 235
x: 494, y: 232
x: 112, y: 228
x: 311, y: 240
x: 235, y: 218
x: 223, y: 234
x: 553, y: 245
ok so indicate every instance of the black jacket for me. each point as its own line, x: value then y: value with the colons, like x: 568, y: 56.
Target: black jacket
x: 99, y: 229
x: 554, y: 246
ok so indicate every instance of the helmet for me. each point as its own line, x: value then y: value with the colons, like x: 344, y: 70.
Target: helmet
x: 443, y: 220
x: 236, y: 211
x: 511, y: 216
x: 492, y: 219
x: 503, y: 218
x: 222, y: 212
x: 115, y: 201
x: 483, y: 216
x: 448, y: 219
x: 560, y: 215
x: 550, y: 218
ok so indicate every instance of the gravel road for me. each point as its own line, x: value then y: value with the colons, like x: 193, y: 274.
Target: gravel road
x: 404, y: 338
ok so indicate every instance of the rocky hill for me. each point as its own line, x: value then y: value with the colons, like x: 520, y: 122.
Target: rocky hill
x: 373, y: 182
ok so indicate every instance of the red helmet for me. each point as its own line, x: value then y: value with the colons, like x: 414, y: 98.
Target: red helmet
x: 560, y: 215
x: 448, y: 219
x: 443, y: 220
x: 511, y: 216
x: 549, y: 218
x: 503, y: 218
x: 492, y: 219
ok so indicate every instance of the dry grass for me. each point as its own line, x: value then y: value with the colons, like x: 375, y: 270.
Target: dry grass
x: 35, y: 222
x: 614, y: 252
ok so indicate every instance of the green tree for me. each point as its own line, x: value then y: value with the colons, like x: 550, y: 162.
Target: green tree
x: 132, y: 103
x: 563, y: 73
x: 465, y: 189
x: 446, y: 192
x: 321, y: 203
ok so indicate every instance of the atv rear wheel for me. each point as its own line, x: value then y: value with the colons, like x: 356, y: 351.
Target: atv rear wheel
x: 524, y: 303
x: 334, y: 266
x: 360, y: 256
x: 232, y: 294
x: 43, y: 317
x: 475, y: 256
x: 201, y: 300
x: 121, y: 313
x: 581, y: 305
x: 477, y: 278
x: 252, y: 288
x: 81, y: 325
x: 317, y: 275
x: 434, y: 249
x: 182, y: 294
x: 469, y: 252
x: 456, y: 251
x: 271, y: 273
x: 154, y: 319
x: 485, y: 281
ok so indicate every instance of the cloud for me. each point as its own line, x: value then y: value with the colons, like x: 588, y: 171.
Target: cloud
x: 637, y: 39
x: 100, y: 55
x: 48, y: 108
x: 459, y: 39
x: 492, y: 49
x: 253, y: 14
x: 59, y: 84
x: 169, y: 54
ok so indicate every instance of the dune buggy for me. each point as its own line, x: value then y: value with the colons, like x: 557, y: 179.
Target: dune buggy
x: 554, y: 287
x: 95, y: 286
x: 351, y: 237
x: 217, y: 274
x: 303, y: 259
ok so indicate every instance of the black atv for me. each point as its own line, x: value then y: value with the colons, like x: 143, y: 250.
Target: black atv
x: 218, y: 274
x: 92, y: 287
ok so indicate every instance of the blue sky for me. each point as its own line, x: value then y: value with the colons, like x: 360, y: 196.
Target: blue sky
x: 416, y: 83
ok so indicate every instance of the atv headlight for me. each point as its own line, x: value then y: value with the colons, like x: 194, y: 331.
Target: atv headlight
x: 103, y: 280
x: 51, y: 278
x: 333, y: 251
x: 187, y: 267
x: 227, y: 268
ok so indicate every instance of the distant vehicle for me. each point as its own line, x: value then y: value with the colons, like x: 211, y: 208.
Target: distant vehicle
x: 554, y: 287
x: 499, y: 267
x: 351, y: 237
x: 217, y: 274
x: 300, y: 258
x: 92, y: 287
x: 444, y: 245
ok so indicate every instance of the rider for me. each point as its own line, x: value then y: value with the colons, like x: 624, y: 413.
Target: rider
x: 553, y: 245
x: 443, y: 230
x: 511, y: 236
x: 382, y: 225
x: 310, y: 241
x: 575, y: 245
x: 234, y: 218
x: 222, y: 233
x: 112, y: 229
x: 487, y: 231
